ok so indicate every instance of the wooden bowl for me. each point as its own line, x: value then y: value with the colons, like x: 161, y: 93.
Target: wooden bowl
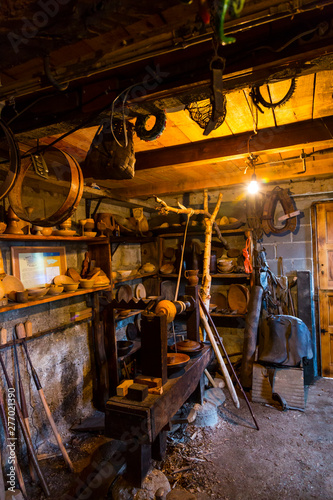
x: 87, y: 283
x: 55, y: 289
x: 37, y: 293
x: 124, y: 273
x: 71, y: 287
x: 177, y: 360
x: 62, y: 279
x: 124, y: 347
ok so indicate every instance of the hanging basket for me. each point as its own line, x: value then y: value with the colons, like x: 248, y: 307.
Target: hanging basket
x: 201, y: 113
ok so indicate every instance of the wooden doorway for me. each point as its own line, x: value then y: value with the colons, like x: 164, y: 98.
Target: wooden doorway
x: 323, y: 266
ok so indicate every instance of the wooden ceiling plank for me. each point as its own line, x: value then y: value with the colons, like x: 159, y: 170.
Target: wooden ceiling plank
x: 238, y: 116
x: 299, y: 106
x: 323, y: 95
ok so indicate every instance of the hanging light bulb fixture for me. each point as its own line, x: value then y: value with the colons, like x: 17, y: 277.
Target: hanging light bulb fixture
x: 253, y: 187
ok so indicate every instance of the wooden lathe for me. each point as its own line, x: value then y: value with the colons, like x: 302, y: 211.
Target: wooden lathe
x: 142, y: 425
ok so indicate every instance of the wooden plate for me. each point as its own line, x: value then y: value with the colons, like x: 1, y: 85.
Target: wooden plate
x: 188, y: 345
x: 238, y: 298
x: 140, y: 291
x: 125, y: 293
x: 12, y: 284
x: 177, y: 360
x: 220, y: 300
x: 131, y: 331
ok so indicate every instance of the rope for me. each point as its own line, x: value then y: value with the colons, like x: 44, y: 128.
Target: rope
x: 182, y: 256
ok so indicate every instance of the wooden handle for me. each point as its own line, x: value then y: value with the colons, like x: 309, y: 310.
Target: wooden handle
x: 3, y: 336
x: 28, y: 328
x: 219, y: 358
x: 20, y: 331
x: 31, y: 467
x: 55, y: 430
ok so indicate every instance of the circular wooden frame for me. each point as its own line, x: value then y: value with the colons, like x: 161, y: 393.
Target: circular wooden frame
x: 69, y: 205
x: 15, y: 161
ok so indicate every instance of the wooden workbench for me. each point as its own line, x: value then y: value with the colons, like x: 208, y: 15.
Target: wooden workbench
x: 142, y: 424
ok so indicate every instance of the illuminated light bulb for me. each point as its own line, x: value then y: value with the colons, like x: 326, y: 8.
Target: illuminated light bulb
x: 253, y: 187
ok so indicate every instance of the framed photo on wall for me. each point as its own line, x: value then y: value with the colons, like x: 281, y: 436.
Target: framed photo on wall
x: 35, y: 266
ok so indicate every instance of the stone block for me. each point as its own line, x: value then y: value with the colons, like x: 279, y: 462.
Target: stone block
x: 302, y: 234
x: 270, y: 251
x: 294, y: 250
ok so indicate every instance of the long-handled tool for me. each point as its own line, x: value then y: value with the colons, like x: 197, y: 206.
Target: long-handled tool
x: 219, y: 357
x: 27, y: 439
x: 6, y: 432
x: 227, y: 357
x: 21, y: 333
x: 23, y: 403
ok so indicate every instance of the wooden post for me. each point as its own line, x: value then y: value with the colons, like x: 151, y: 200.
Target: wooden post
x: 193, y: 318
x: 154, y: 340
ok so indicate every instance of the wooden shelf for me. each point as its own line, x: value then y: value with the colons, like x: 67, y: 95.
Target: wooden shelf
x: 65, y: 295
x: 219, y: 276
x: 132, y: 313
x: 32, y: 237
x: 135, y: 277
x: 131, y: 239
x: 174, y: 232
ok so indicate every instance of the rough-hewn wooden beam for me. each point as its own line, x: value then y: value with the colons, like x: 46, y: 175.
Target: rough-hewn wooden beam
x: 222, y: 179
x: 275, y: 139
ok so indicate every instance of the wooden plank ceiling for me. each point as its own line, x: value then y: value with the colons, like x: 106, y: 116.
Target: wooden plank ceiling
x: 312, y: 100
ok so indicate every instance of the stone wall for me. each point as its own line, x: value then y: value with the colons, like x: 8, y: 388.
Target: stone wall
x: 63, y: 359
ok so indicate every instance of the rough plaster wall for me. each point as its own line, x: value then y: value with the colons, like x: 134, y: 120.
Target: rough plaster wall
x: 62, y: 359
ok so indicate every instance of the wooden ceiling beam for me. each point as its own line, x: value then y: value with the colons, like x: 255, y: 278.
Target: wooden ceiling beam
x: 274, y: 139
x: 222, y: 179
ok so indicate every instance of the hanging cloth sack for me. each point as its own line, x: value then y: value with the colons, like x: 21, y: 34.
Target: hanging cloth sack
x: 106, y: 159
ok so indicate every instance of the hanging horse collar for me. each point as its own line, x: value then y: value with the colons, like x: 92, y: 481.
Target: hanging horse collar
x: 272, y: 198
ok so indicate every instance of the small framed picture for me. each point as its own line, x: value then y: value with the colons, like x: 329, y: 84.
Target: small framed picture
x: 35, y: 266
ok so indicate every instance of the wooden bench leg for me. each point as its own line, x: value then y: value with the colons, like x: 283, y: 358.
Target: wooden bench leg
x: 159, y: 446
x: 138, y: 459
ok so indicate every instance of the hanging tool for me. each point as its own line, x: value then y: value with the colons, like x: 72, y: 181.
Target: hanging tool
x: 27, y: 439
x: 203, y: 307
x: 21, y: 334
x: 18, y: 472
x: 23, y: 403
x: 218, y: 100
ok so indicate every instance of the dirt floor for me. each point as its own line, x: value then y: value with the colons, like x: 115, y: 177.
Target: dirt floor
x: 290, y: 457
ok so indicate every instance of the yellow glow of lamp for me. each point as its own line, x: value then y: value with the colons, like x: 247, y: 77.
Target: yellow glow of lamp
x: 253, y: 187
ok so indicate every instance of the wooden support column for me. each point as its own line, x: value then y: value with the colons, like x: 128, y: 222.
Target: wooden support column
x: 101, y: 382
x: 154, y: 339
x: 110, y: 340
x: 193, y: 319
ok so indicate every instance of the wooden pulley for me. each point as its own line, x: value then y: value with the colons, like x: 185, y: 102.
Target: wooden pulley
x: 168, y: 308
x: 9, y: 159
x: 48, y: 187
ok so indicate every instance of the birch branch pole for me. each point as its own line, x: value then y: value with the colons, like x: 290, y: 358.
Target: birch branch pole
x: 209, y: 225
